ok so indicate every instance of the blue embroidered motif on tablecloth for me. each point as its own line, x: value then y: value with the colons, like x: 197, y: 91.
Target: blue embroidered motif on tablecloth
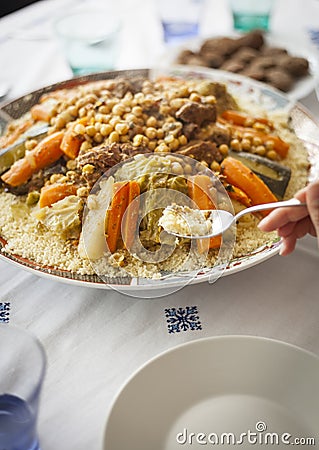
x: 182, y: 319
x: 5, y: 312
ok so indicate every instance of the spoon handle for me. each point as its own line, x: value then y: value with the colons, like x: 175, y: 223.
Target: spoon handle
x: 274, y: 205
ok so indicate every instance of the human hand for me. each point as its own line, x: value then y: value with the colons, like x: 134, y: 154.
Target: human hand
x: 293, y: 223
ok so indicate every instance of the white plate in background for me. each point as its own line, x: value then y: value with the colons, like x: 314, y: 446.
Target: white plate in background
x: 227, y: 384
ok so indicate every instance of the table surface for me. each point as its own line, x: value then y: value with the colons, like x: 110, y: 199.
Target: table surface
x: 95, y: 339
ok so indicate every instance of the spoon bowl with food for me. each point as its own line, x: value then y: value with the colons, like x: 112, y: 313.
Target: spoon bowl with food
x: 185, y: 222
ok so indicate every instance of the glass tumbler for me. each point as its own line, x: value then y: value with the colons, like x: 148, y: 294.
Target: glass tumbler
x: 22, y: 369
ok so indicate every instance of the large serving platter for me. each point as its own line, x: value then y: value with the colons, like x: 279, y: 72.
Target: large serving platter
x: 302, y: 122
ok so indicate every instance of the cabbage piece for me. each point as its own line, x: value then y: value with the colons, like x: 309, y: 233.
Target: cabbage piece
x: 63, y: 217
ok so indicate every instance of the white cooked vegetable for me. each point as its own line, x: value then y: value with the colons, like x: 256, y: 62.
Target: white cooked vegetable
x: 92, y: 244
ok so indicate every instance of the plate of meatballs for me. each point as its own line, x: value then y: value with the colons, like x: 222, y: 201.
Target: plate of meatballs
x: 275, y: 61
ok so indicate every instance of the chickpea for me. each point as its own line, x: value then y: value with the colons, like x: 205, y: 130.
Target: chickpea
x: 177, y: 168
x: 152, y: 145
x: 269, y: 144
x: 88, y: 168
x: 60, y: 122
x: 115, y: 120
x: 104, y: 109
x: 169, y: 139
x: 235, y: 145
x: 257, y: 141
x: 162, y: 148
x: 160, y: 133
x: 137, y: 111
x: 98, y: 138
x: 246, y: 145
x: 223, y: 148
x: 79, y: 129
x: 85, y: 146
x: 139, y: 140
x: 215, y: 166
x: 271, y: 154
x: 260, y: 127
x: 114, y: 137
x: 151, y: 121
x: 90, y: 130
x: 151, y: 132
x: 204, y: 163
x: 71, y: 164
x: 118, y: 109
x: 122, y: 128
x: 182, y: 139
x: 260, y: 150
x: 188, y: 169
x: 73, y: 110
x: 106, y: 129
x: 174, y: 145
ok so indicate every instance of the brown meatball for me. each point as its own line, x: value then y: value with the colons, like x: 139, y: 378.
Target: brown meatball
x: 232, y: 65
x: 296, y: 66
x: 184, y: 55
x: 254, y: 39
x: 254, y: 72
x: 279, y: 79
x: 212, y: 59
x: 245, y: 54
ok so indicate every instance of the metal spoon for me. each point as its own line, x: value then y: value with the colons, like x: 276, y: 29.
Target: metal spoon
x: 222, y: 220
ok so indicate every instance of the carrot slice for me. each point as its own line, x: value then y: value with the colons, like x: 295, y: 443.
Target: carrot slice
x: 200, y: 191
x: 44, y: 111
x: 130, y: 223
x: 44, y: 154
x: 115, y: 214
x: 238, y: 194
x: 55, y: 192
x: 240, y: 118
x: 71, y: 143
x: 19, y: 173
x: 241, y: 176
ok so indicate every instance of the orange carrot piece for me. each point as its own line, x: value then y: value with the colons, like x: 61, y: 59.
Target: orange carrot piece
x: 239, y: 175
x: 243, y: 119
x: 44, y: 154
x: 19, y: 173
x: 199, y: 190
x: 130, y: 223
x: 44, y: 111
x: 115, y: 214
x: 55, y: 192
x: 71, y: 143
x: 238, y: 194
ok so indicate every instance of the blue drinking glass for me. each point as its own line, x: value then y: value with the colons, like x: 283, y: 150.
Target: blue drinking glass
x: 22, y: 369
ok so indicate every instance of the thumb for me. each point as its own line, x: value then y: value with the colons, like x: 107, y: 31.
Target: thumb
x: 312, y: 198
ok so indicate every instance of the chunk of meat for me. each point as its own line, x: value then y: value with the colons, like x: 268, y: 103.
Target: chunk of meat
x: 192, y: 112
x: 202, y: 151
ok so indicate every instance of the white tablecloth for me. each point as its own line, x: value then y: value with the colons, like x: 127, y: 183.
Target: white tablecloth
x: 95, y: 339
